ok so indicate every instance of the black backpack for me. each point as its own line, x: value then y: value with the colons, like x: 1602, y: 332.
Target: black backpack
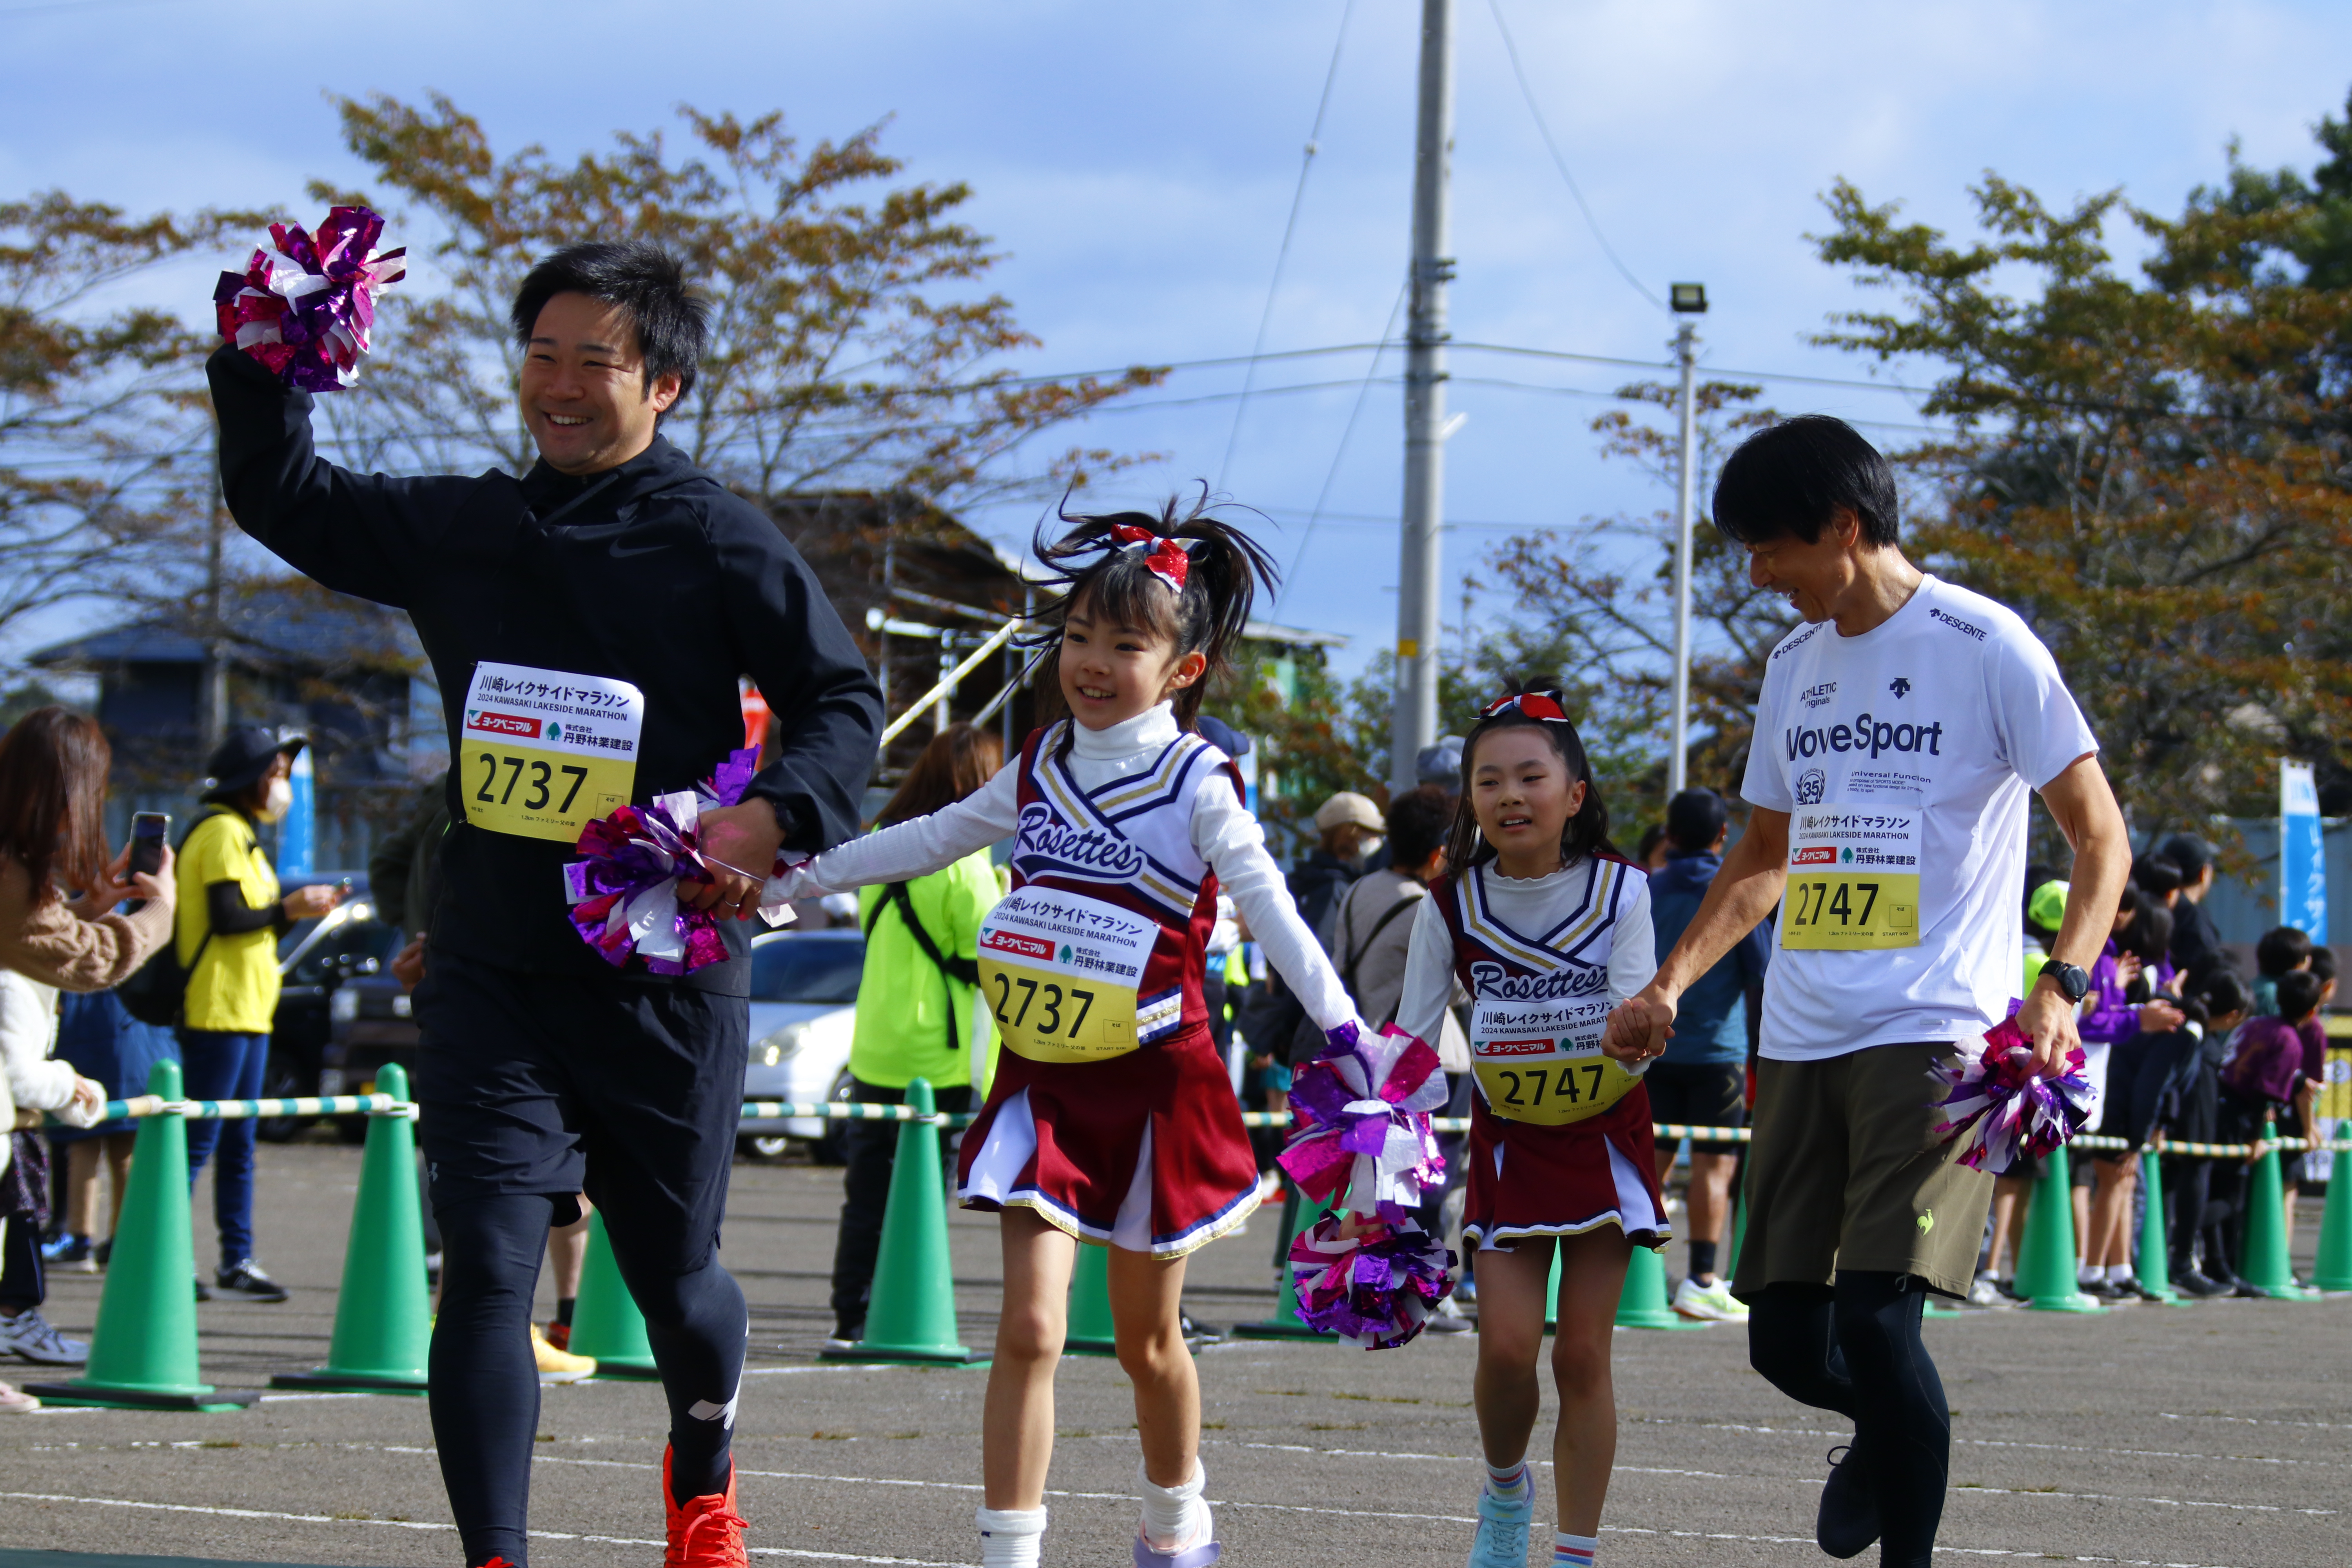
x: 157, y: 990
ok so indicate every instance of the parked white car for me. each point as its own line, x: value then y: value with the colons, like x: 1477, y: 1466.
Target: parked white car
x: 804, y: 1011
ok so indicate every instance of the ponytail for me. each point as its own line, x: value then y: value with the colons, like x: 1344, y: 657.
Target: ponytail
x: 1126, y: 580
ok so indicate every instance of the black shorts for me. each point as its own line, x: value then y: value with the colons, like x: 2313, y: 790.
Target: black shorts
x: 626, y: 1089
x: 1699, y: 1094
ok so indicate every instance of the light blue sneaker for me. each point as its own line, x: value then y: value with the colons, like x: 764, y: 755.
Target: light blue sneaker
x: 1502, y: 1538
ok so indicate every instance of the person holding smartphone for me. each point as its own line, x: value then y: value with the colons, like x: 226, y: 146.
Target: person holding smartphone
x: 231, y: 914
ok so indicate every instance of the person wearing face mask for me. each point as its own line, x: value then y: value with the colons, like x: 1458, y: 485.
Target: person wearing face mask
x: 231, y: 914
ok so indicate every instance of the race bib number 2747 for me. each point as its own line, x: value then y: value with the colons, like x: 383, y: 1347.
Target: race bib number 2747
x: 542, y: 752
x: 1853, y: 877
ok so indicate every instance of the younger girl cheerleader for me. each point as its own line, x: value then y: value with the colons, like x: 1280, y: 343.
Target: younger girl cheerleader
x: 1111, y: 1119
x: 1547, y: 928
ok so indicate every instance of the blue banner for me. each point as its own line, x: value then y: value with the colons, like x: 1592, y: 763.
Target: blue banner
x: 2302, y: 860
x: 298, y: 834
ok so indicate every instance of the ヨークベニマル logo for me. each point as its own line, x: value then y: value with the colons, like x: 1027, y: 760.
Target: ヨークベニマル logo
x: 1814, y: 855
x: 1510, y: 1047
x: 1016, y: 944
x: 502, y: 724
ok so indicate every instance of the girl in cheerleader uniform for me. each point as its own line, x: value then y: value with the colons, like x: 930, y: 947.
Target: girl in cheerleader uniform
x: 1548, y: 928
x: 1111, y: 1119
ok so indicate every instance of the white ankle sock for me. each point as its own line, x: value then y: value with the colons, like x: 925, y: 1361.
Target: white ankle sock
x: 1507, y: 1480
x: 2120, y: 1274
x: 1011, y: 1537
x: 1573, y: 1550
x: 1175, y: 1518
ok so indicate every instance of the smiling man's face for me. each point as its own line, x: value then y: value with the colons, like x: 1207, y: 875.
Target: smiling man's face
x: 584, y: 396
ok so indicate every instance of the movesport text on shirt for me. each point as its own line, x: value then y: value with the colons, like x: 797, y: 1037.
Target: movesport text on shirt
x: 1950, y: 708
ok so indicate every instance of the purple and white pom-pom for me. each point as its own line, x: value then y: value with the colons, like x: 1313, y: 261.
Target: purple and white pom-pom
x: 2002, y: 1111
x: 1363, y: 1136
x: 1374, y: 1288
x: 306, y: 312
x: 624, y: 896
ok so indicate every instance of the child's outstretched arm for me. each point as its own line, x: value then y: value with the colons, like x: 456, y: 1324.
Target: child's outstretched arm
x: 1429, y: 979
x: 920, y: 847
x: 1230, y: 839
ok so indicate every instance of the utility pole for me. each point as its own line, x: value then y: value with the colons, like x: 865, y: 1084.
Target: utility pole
x: 216, y: 714
x: 1689, y: 300
x: 1414, y: 723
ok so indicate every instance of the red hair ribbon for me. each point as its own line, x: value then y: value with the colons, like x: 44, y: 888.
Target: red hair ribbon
x: 1543, y: 705
x: 1166, y: 559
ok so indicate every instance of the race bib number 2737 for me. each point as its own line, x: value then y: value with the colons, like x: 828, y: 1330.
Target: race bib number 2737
x: 542, y: 752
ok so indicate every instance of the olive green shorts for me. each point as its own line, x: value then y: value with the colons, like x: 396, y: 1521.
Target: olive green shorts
x: 1844, y: 1171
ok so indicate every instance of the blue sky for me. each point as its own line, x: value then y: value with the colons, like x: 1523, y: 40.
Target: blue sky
x: 1137, y: 164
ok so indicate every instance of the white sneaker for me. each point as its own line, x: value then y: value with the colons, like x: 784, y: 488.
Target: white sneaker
x: 1710, y: 1303
x: 1985, y: 1293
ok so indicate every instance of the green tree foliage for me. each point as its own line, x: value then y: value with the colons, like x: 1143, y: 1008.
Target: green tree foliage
x: 2151, y: 464
x: 105, y: 447
x: 851, y: 340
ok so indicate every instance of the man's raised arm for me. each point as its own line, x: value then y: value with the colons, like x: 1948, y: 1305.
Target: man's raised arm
x: 363, y: 534
x: 1742, y: 893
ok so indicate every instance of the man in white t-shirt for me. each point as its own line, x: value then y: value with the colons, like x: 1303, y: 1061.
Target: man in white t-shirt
x: 1900, y: 732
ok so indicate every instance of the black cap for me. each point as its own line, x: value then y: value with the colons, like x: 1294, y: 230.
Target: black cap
x: 1222, y: 735
x: 240, y: 760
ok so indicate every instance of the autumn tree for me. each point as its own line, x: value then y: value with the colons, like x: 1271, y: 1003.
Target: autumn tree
x: 853, y: 343
x: 105, y: 453
x: 2149, y: 463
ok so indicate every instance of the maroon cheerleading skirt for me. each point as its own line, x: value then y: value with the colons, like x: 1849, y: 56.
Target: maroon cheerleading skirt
x: 1530, y: 1180
x: 1144, y: 1151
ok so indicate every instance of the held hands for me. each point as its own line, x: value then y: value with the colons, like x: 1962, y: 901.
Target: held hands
x: 1640, y: 1025
x: 2161, y: 1018
x: 2048, y: 1020
x: 303, y: 903
x: 408, y: 964
x: 739, y: 844
x: 158, y: 886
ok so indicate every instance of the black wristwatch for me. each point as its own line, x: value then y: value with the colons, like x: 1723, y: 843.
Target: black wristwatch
x: 2071, y: 978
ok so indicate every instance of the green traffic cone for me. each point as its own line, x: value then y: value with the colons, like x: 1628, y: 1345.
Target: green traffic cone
x: 910, y: 1316
x: 143, y: 1354
x: 2045, y: 1264
x: 605, y: 1322
x: 2151, y: 1265
x: 2264, y: 1263
x: 1090, y: 1332
x: 383, y: 1317
x: 1641, y: 1300
x: 2333, y: 1270
x: 1285, y: 1325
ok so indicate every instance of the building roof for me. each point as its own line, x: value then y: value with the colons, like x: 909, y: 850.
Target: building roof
x: 271, y: 624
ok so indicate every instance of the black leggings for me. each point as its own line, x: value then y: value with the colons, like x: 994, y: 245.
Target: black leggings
x: 1855, y: 1349
x: 485, y: 1380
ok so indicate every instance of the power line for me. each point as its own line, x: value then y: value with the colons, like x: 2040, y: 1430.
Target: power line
x: 1372, y: 373
x: 1289, y: 229
x: 1511, y: 48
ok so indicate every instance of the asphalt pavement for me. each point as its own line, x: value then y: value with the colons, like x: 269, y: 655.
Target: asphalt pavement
x: 2217, y: 1435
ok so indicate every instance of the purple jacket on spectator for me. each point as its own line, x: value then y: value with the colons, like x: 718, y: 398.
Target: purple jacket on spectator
x: 2265, y: 1061
x: 2106, y: 1017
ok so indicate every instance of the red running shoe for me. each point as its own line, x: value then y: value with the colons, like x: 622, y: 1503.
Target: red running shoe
x: 704, y: 1531
x: 559, y: 1335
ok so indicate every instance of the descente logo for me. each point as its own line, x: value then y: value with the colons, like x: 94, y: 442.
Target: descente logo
x: 1956, y: 624
x: 1074, y: 849
x: 1488, y: 978
x: 1866, y: 734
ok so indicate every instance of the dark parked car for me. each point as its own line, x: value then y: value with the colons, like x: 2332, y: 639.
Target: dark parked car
x: 316, y: 961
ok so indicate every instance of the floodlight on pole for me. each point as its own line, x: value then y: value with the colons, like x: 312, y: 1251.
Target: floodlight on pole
x: 1688, y: 300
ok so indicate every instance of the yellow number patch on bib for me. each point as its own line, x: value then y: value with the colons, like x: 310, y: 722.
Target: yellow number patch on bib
x: 1853, y: 877
x: 1060, y: 971
x: 541, y: 752
x: 1541, y: 1061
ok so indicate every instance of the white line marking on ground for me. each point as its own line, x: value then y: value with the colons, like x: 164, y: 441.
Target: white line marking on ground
x: 433, y: 1525
x: 2008, y: 1443
x: 2258, y: 1421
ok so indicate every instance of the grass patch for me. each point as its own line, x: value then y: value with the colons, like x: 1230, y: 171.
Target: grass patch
x: 1339, y: 1425
x: 1286, y: 1393
x: 343, y: 1514
x: 1212, y: 1426
x: 220, y: 1443
x: 832, y: 1437
x: 1381, y: 1398
x: 902, y: 1437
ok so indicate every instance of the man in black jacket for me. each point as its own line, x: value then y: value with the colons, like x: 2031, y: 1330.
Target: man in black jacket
x: 588, y: 624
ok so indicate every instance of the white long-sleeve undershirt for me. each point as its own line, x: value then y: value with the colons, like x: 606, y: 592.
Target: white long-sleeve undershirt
x: 1530, y: 908
x: 1223, y: 832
